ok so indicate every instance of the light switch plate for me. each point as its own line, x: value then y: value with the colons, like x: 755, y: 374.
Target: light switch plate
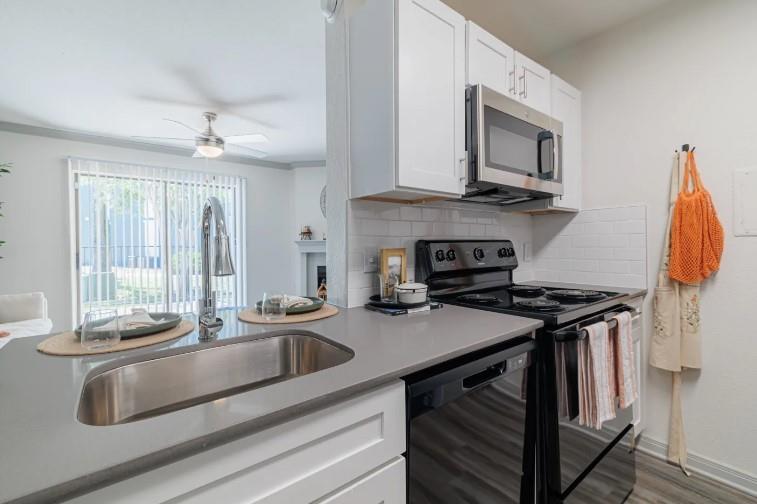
x: 370, y: 261
x: 527, y: 252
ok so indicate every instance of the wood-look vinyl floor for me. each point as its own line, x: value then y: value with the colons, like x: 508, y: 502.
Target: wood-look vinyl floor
x: 660, y: 483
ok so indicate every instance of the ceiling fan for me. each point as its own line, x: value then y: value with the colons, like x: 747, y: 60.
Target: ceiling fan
x: 210, y: 144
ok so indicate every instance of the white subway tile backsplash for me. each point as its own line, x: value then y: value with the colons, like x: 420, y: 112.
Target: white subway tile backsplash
x: 400, y: 228
x: 477, y: 230
x: 422, y: 229
x: 637, y: 254
x: 629, y: 227
x: 431, y: 214
x: 613, y: 267
x: 597, y: 228
x: 604, y: 246
x: 599, y: 253
x: 376, y: 225
x: 637, y: 268
x: 411, y: 213
x: 637, y: 241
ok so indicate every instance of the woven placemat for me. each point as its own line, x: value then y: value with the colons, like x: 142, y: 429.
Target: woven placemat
x: 252, y: 316
x: 67, y: 343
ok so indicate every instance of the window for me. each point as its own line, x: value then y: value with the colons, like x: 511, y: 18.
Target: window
x: 137, y: 236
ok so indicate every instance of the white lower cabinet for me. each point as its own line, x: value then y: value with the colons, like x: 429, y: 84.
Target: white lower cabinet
x: 385, y: 485
x: 348, y: 452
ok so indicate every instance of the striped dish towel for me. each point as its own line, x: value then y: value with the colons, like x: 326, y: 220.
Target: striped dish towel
x: 596, y: 376
x: 627, y: 390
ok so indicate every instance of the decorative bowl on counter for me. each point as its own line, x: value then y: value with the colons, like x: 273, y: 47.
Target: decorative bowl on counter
x: 317, y: 305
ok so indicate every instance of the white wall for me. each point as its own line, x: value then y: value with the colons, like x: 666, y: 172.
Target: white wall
x: 308, y: 182
x: 36, y: 228
x: 375, y: 225
x: 686, y: 73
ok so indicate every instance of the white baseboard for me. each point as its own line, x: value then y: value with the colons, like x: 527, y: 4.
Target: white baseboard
x: 717, y: 471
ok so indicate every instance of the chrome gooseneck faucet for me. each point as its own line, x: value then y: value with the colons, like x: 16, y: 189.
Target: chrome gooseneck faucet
x: 222, y: 265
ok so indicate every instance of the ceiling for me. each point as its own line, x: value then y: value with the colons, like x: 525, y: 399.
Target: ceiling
x: 117, y: 68
x: 538, y: 28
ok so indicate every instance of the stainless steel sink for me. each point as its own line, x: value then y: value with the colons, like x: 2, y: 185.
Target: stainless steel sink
x: 148, y: 388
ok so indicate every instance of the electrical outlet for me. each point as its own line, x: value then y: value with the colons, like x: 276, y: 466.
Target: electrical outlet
x: 370, y: 261
x: 527, y: 252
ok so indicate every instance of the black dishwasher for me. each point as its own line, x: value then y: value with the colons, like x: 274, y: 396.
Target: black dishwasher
x: 471, y: 430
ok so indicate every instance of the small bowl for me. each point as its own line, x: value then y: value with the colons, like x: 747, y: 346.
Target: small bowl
x: 412, y: 293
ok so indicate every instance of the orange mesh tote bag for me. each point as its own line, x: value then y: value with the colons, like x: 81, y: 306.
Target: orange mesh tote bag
x: 696, y: 235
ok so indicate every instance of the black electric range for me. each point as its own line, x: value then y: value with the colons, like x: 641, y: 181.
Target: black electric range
x: 575, y: 464
x: 552, y: 305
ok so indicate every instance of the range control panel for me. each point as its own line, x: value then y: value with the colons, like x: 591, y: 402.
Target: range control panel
x: 448, y: 256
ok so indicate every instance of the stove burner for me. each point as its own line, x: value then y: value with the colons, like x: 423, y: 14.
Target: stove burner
x: 526, y: 290
x: 576, y: 295
x: 483, y: 299
x: 539, y: 305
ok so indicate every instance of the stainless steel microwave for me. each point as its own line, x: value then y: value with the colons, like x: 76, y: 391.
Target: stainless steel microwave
x: 514, y: 151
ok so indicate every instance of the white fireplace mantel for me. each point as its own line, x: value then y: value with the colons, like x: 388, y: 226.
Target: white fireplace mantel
x: 306, y: 247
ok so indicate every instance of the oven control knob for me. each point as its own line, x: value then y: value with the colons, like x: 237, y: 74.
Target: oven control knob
x: 451, y: 255
x: 502, y: 252
x: 510, y: 252
x: 439, y: 255
x: 478, y: 254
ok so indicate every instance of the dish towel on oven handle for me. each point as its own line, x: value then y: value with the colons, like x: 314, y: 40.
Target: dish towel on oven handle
x: 621, y: 337
x: 596, y: 376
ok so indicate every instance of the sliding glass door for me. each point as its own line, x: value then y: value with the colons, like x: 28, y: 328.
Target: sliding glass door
x: 138, y: 236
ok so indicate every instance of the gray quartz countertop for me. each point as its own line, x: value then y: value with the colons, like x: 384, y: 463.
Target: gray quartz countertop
x: 48, y: 455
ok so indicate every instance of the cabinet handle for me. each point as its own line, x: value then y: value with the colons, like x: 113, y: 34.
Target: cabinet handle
x: 511, y: 76
x: 522, y: 79
x: 461, y: 170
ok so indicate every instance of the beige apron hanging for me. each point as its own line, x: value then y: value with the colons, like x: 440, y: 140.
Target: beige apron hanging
x: 676, y: 342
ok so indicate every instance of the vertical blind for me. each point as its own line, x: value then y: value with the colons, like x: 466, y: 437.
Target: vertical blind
x: 138, y: 236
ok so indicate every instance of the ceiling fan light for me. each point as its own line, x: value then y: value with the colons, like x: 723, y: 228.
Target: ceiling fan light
x: 209, y: 147
x: 209, y: 151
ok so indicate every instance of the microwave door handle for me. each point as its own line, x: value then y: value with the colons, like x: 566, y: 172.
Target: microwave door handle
x: 556, y: 156
x: 541, y: 138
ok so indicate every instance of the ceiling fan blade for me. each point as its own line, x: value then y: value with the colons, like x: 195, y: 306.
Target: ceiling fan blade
x: 162, y: 138
x: 183, y: 124
x: 246, y: 151
x: 245, y: 139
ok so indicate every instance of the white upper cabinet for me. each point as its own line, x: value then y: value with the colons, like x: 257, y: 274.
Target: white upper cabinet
x: 490, y: 62
x: 533, y: 84
x: 496, y: 65
x: 566, y: 108
x: 407, y: 100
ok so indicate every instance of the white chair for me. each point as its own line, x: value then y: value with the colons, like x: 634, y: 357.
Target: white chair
x: 23, y: 315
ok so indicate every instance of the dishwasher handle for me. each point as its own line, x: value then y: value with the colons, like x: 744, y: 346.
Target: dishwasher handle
x: 483, y: 377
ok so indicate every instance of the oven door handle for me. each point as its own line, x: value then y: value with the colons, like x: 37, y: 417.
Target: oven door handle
x: 488, y: 375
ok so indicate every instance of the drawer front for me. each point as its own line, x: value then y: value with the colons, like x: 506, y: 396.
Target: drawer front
x: 298, y: 461
x: 385, y: 485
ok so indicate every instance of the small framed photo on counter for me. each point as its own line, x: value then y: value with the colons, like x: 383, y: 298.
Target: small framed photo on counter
x: 393, y: 261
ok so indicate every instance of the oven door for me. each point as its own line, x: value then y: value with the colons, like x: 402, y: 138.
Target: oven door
x: 511, y: 144
x: 472, y: 431
x: 595, y: 466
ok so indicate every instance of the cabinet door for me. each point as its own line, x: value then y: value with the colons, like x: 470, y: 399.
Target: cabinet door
x: 533, y: 83
x: 490, y: 61
x: 385, y: 485
x: 566, y: 108
x: 430, y: 104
